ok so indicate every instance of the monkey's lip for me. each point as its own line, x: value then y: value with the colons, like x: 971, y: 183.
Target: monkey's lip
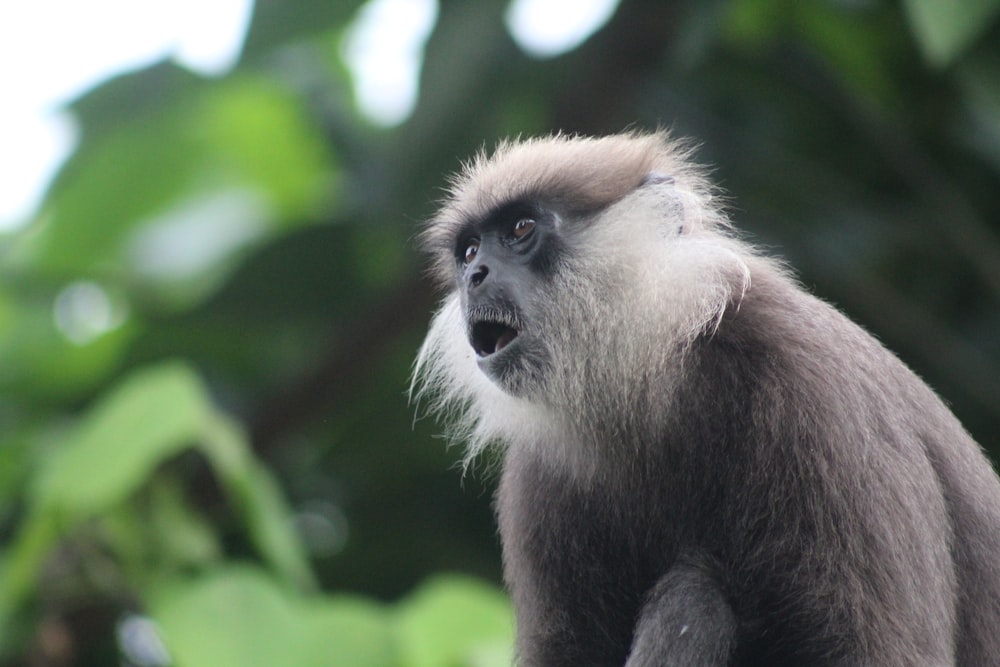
x: 492, y: 331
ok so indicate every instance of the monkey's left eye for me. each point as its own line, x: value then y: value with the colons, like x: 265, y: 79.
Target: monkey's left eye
x: 470, y: 251
x: 523, y: 227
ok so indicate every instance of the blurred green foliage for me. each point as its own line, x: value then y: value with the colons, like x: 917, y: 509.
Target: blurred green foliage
x: 206, y: 332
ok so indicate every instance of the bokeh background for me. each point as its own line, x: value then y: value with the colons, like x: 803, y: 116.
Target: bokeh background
x: 207, y: 324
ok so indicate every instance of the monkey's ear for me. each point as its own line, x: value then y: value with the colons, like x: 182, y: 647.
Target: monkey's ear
x: 656, y: 178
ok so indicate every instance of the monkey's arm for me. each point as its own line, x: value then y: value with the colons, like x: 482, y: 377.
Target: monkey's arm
x: 686, y: 621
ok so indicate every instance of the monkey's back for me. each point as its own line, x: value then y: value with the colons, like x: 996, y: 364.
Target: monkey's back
x: 839, y: 504
x: 882, y: 460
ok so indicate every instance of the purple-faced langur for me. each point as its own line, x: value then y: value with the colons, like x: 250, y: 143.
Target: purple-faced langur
x: 703, y: 464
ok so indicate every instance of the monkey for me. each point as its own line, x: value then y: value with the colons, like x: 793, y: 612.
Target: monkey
x: 700, y: 462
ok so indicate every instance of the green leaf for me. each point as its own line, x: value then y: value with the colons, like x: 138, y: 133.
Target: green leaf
x: 946, y: 28
x: 278, y: 21
x: 20, y: 564
x: 109, y: 186
x: 258, y: 134
x: 454, y: 621
x: 243, y: 134
x: 754, y: 22
x: 235, y: 617
x: 184, y: 536
x: 37, y: 361
x: 346, y: 631
x: 257, y: 498
x: 134, y: 96
x: 146, y: 419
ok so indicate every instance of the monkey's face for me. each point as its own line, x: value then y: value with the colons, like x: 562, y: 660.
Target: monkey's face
x: 547, y: 289
x: 578, y: 271
x: 503, y: 261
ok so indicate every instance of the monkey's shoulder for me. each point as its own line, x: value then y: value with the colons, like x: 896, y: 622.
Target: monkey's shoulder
x: 780, y: 336
x: 784, y: 365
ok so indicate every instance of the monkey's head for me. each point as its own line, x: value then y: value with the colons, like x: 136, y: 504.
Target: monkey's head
x: 574, y: 266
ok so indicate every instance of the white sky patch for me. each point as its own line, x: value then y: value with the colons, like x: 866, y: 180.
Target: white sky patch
x: 547, y: 28
x: 32, y: 146
x: 51, y: 51
x: 383, y: 50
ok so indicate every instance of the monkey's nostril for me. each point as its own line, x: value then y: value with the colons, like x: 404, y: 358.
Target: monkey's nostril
x: 479, y: 276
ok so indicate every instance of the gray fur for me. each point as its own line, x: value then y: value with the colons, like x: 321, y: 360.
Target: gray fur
x: 703, y: 463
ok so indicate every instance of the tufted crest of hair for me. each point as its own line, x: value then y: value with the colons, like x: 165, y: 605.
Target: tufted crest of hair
x: 583, y: 174
x: 654, y: 267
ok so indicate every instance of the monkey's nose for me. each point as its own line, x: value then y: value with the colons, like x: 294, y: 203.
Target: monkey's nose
x: 479, y: 275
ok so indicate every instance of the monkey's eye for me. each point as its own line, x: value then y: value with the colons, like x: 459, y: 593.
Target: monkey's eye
x: 523, y: 227
x: 470, y: 251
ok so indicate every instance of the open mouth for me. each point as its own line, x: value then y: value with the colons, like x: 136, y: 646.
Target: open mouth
x: 491, y: 332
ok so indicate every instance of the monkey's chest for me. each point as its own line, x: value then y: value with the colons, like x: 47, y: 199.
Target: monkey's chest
x: 579, y: 564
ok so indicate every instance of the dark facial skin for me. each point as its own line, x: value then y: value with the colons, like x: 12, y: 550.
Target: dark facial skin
x: 501, y: 259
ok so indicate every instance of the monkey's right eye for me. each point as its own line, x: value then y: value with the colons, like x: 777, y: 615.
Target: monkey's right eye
x: 522, y: 228
x: 470, y: 251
